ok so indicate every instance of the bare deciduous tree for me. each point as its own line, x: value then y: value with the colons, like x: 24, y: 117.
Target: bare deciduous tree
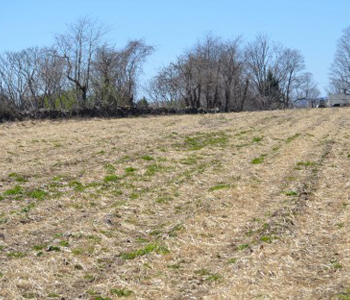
x: 78, y: 46
x: 340, y: 69
x: 80, y: 70
x: 53, y: 78
x: 259, y: 62
x: 13, y: 82
x: 289, y: 64
x: 274, y: 71
x: 235, y: 82
x: 116, y: 73
x: 307, y: 88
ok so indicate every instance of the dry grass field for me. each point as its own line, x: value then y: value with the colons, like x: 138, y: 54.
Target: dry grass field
x: 225, y: 206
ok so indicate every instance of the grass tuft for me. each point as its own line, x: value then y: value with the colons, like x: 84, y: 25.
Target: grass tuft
x: 130, y: 170
x: 220, y: 186
x: 147, y: 157
x: 258, y: 160
x: 242, y: 247
x: 37, y: 194
x: 232, y: 261
x: 290, y: 193
x: 17, y: 254
x: 17, y: 177
x: 17, y: 190
x: 76, y: 185
x: 121, y: 292
x: 201, y: 140
x: 257, y: 139
x: 306, y: 163
x: 111, y: 178
x: 109, y: 168
x: 292, y: 138
x: 149, y: 248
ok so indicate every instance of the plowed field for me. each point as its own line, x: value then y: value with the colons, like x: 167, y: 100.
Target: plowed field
x: 226, y: 206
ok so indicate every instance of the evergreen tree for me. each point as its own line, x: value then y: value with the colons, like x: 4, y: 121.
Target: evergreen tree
x: 272, y: 90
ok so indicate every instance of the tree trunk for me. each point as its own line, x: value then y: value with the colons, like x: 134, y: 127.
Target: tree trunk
x: 244, y: 94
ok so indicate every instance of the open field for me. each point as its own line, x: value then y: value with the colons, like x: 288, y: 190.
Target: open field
x: 226, y: 206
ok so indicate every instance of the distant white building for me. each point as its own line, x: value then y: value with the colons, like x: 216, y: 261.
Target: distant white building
x: 332, y: 100
x: 338, y: 100
x: 310, y: 102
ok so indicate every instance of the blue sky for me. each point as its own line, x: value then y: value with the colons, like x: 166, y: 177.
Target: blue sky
x: 172, y: 26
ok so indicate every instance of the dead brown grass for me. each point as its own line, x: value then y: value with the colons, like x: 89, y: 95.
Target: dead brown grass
x: 174, y: 207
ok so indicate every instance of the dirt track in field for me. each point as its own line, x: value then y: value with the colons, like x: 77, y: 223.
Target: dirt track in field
x: 226, y: 206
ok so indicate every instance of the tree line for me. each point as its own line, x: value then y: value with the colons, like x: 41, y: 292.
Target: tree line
x: 81, y: 70
x: 231, y: 76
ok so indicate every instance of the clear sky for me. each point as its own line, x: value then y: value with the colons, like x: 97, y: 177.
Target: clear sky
x: 172, y: 26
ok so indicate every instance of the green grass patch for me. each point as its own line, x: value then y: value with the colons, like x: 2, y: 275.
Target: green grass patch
x: 88, y: 249
x: 109, y: 168
x: 214, y: 277
x: 202, y: 272
x: 192, y: 160
x: 89, y: 277
x: 16, y: 254
x: 164, y: 199
x: 232, y: 261
x: 345, y: 295
x: 121, y: 292
x: 130, y: 170
x: 53, y: 295
x: 134, y: 196
x: 101, y: 298
x: 220, y: 186
x: 17, y: 190
x: 340, y: 225
x: 58, y: 178
x: 242, y: 247
x: 208, y: 276
x: 156, y: 232
x: 258, y: 139
x: 292, y: 138
x: 39, y: 247
x: 53, y: 249
x: 17, y: 177
x: 30, y: 295
x: 37, y: 194
x: 64, y: 243
x: 142, y: 240
x: 153, y: 169
x: 258, y: 160
x: 174, y: 266
x: 100, y: 152
x: 201, y: 140
x: 111, y: 178
x: 28, y: 208
x: 290, y: 193
x: 76, y: 185
x: 306, y: 163
x: 149, y: 248
x: 147, y: 157
x: 173, y: 232
x: 267, y: 239
x: 77, y: 251
x: 335, y: 264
